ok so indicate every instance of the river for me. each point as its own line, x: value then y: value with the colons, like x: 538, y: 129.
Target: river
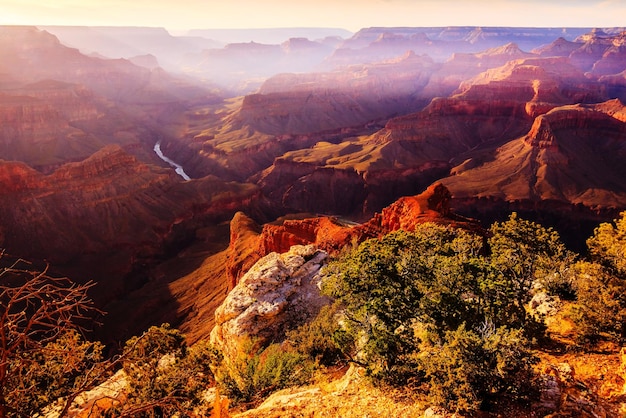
x: 177, y: 167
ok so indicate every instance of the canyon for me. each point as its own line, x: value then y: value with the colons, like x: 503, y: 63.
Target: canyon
x: 322, y: 141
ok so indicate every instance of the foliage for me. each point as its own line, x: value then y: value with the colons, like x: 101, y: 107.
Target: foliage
x: 42, y: 355
x: 317, y: 339
x: 62, y: 367
x: 439, y: 309
x: 524, y: 253
x: 600, y: 285
x: 441, y: 287
x: 164, y: 376
x: 387, y: 285
x: 467, y: 370
x: 600, y: 309
x: 253, y: 374
x: 608, y: 246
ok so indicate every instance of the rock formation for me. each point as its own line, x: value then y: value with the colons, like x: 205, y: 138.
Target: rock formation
x: 308, y: 103
x: 270, y: 298
x: 332, y: 234
x: 571, y: 154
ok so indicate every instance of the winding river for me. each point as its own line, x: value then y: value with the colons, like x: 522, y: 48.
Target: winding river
x: 177, y: 167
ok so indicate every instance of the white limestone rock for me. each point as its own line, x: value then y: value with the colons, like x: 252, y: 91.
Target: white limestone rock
x: 277, y: 290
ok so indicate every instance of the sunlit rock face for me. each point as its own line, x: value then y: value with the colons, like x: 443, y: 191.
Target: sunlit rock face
x: 572, y: 154
x: 332, y: 234
x: 276, y: 293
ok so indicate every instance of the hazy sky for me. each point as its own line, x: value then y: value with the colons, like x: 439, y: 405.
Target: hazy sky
x: 348, y: 14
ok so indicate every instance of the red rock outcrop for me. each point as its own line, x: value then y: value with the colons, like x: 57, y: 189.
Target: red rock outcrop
x: 249, y: 242
x: 333, y: 234
x: 326, y: 233
x: 242, y: 250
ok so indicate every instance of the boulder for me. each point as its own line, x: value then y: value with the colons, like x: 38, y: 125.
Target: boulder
x: 277, y: 292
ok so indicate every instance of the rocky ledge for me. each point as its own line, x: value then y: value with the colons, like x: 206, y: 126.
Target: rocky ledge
x: 270, y: 298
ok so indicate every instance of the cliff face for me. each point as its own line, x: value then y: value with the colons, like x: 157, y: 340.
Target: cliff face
x: 317, y: 102
x: 541, y: 83
x: 571, y: 154
x: 104, y: 215
x: 38, y: 124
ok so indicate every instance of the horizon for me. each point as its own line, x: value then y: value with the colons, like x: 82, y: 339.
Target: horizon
x: 181, y: 15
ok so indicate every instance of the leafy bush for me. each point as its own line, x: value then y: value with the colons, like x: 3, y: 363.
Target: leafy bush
x: 468, y: 370
x: 253, y: 375
x: 164, y: 376
x: 600, y: 309
x: 389, y: 285
x: 320, y: 339
x: 608, y: 246
x: 417, y: 304
x: 524, y: 253
x: 62, y: 367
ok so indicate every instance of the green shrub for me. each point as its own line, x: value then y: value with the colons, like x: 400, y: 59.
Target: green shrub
x: 416, y: 305
x: 600, y: 285
x: 608, y: 246
x: 252, y: 376
x: 466, y: 371
x: 321, y: 339
x: 389, y: 285
x: 600, y: 309
x: 60, y: 368
x: 524, y: 253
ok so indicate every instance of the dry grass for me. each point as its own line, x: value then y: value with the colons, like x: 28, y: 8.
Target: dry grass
x: 349, y: 396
